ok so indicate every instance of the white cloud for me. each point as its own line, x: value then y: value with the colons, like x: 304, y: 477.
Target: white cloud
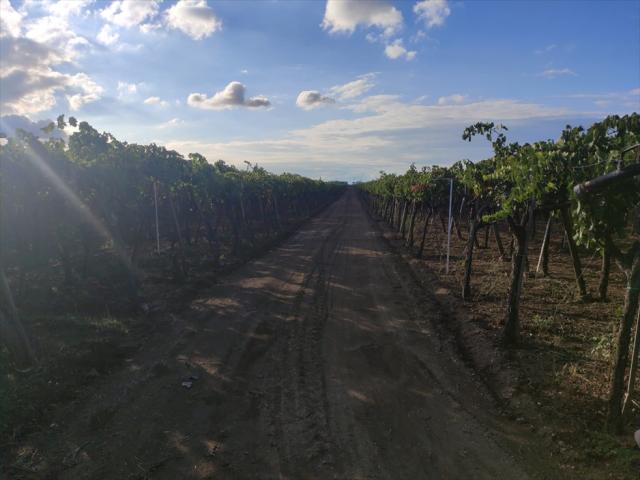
x: 10, y: 20
x: 194, y: 18
x: 310, y: 99
x: 150, y: 27
x: 31, y: 51
x: 455, y: 99
x: 66, y: 8
x: 156, y: 101
x: 344, y: 16
x: 395, y: 50
x: 355, y: 88
x: 129, y: 13
x: 90, y: 91
x: 551, y: 73
x: 433, y: 12
x: 107, y: 35
x: 374, y: 103
x: 23, y: 91
x: 56, y: 33
x: 174, y: 122
x: 232, y: 96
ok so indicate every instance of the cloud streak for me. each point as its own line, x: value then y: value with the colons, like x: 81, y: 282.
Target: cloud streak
x: 355, y: 88
x: 552, y: 73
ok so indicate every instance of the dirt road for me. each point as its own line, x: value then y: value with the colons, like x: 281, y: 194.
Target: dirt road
x: 320, y: 360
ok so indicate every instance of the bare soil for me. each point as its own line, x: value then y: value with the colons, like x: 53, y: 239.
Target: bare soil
x: 556, y: 381
x: 325, y: 358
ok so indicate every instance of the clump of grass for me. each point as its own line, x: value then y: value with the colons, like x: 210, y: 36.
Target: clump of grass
x: 600, y: 446
x: 109, y: 324
x: 542, y: 323
x: 603, y: 346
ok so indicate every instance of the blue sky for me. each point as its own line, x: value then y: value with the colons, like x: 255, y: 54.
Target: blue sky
x: 338, y: 89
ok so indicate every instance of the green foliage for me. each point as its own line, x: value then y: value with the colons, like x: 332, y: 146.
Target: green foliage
x: 97, y: 192
x: 604, y: 217
x: 541, y: 174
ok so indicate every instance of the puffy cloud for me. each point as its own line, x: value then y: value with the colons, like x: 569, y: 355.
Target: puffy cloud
x: 355, y: 88
x: 150, y: 27
x: 551, y: 73
x: 344, y: 16
x: 129, y: 13
x: 433, y: 12
x: 310, y: 99
x: 10, y: 20
x: 66, y: 8
x: 194, y: 18
x: 55, y: 32
x: 90, y: 91
x: 232, y: 96
x: 395, y: 50
x: 24, y: 91
x: 156, y: 101
x: 455, y: 99
x: 28, y: 79
x: 23, y: 53
x: 107, y: 35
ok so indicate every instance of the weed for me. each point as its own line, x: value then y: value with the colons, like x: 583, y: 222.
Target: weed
x: 603, y: 346
x: 542, y: 323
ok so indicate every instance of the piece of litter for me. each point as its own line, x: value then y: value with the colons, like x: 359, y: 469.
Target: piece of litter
x: 194, y: 377
x: 637, y: 437
x: 187, y: 384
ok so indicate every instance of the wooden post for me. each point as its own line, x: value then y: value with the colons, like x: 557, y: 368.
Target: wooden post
x: 544, y: 250
x: 634, y: 368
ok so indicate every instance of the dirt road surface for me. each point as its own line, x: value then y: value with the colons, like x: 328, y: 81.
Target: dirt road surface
x: 320, y: 360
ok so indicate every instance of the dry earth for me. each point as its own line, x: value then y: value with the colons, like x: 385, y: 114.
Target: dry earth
x: 322, y: 359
